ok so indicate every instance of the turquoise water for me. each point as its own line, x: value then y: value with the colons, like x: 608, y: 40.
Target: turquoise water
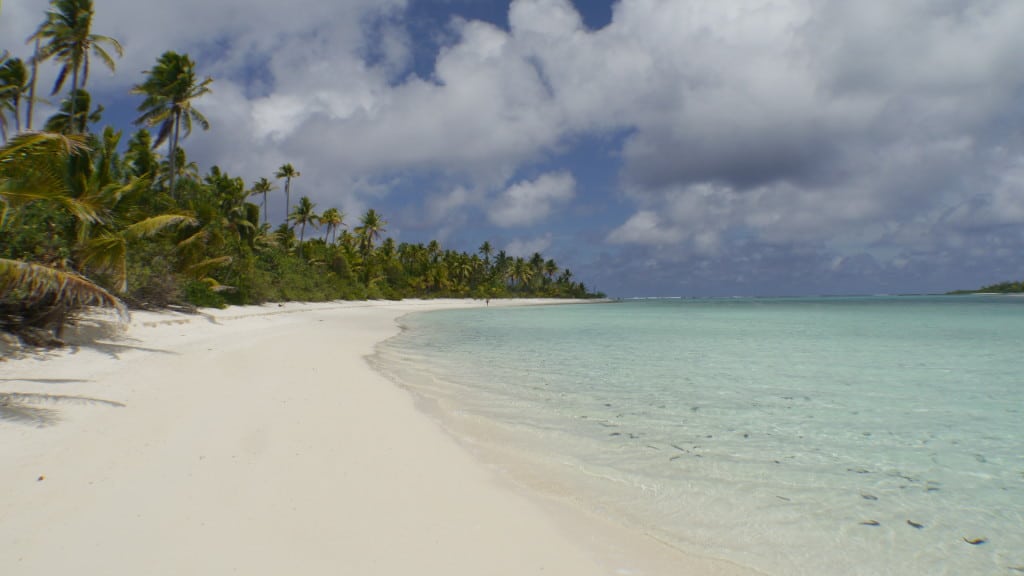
x: 795, y: 436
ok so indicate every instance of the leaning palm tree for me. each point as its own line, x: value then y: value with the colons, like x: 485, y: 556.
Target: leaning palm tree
x: 303, y: 214
x: 333, y: 219
x: 170, y: 88
x: 69, y: 39
x: 263, y: 186
x: 287, y: 171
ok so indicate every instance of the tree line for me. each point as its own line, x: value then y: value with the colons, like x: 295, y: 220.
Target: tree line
x: 86, y: 219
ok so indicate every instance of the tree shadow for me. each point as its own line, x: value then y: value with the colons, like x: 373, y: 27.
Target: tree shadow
x: 33, y: 410
x: 46, y: 380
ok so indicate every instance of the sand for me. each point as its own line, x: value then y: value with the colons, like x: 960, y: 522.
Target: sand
x: 257, y: 440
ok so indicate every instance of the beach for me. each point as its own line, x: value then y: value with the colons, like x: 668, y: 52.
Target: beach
x: 257, y: 440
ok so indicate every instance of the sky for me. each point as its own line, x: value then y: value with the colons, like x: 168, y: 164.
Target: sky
x: 654, y: 147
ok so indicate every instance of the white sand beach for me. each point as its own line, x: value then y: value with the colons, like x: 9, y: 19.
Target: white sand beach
x: 257, y: 440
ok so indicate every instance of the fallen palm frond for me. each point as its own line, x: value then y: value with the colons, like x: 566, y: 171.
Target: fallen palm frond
x: 34, y: 282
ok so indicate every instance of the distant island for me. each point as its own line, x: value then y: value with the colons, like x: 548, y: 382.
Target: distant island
x: 1008, y: 287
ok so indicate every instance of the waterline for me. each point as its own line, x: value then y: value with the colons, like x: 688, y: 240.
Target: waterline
x: 811, y: 436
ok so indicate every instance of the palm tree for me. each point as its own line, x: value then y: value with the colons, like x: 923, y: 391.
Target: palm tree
x: 550, y: 269
x: 67, y: 31
x: 32, y: 82
x: 170, y: 88
x: 287, y: 171
x: 38, y: 295
x: 31, y: 170
x: 182, y: 166
x: 263, y: 186
x: 486, y: 250
x: 304, y: 214
x: 370, y: 228
x: 333, y: 219
x: 74, y: 115
x: 13, y: 89
x: 139, y: 157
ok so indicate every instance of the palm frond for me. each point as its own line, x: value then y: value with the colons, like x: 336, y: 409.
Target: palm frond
x: 156, y: 224
x: 201, y: 269
x: 35, y: 281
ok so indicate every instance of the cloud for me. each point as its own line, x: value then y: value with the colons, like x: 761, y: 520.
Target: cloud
x: 756, y: 134
x: 529, y: 202
x: 645, y: 227
x: 526, y: 247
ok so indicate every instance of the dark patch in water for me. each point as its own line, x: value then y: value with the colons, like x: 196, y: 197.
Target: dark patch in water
x: 913, y: 524
x: 870, y: 523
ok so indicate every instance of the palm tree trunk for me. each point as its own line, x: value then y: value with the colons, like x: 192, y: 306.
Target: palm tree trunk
x: 32, y: 86
x: 264, y: 207
x: 173, y: 154
x: 74, y: 90
x: 287, y: 198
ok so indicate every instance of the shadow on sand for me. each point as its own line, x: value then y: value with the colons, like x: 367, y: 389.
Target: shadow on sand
x: 35, y: 409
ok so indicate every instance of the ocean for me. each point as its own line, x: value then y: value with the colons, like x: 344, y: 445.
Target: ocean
x: 795, y: 436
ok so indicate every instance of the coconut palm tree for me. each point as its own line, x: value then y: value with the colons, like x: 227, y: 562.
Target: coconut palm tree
x: 333, y: 219
x: 74, y: 115
x: 32, y: 82
x: 140, y: 158
x: 486, y: 250
x: 304, y: 214
x: 263, y: 186
x: 371, y: 226
x: 13, y: 89
x: 37, y: 295
x: 69, y: 39
x: 32, y: 169
x: 287, y: 171
x: 170, y: 88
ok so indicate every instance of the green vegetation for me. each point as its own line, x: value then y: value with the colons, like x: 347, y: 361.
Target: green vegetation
x: 1008, y: 287
x: 83, y: 223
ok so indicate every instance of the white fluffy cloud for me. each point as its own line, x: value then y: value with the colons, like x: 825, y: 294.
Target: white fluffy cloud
x: 525, y: 248
x: 878, y: 127
x: 531, y: 201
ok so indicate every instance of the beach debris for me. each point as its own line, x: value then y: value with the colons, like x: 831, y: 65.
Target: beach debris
x: 915, y: 524
x: 869, y: 496
x: 975, y: 541
x: 870, y: 523
x: 41, y: 478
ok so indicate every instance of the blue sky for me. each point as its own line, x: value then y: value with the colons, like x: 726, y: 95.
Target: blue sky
x: 655, y: 147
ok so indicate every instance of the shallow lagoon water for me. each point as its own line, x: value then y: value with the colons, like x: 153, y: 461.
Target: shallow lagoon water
x: 795, y: 436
